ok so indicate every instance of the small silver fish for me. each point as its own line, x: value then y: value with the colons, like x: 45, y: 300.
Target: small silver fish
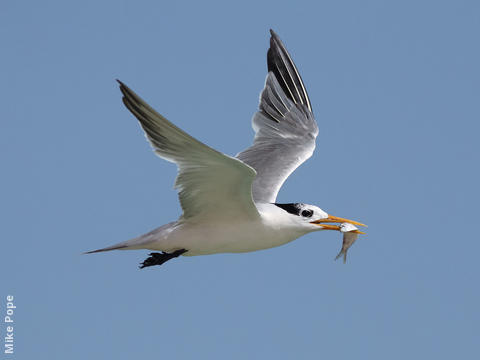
x: 350, y: 234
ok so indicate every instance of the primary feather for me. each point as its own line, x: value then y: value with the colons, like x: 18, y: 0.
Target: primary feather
x: 285, y: 129
x: 208, y: 181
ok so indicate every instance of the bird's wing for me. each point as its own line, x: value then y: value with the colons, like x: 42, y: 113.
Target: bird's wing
x: 285, y: 129
x: 210, y: 184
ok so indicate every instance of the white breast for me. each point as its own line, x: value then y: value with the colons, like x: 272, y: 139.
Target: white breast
x: 212, y: 237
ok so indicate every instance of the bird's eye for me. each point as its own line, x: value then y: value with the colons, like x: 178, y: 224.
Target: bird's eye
x: 307, y: 213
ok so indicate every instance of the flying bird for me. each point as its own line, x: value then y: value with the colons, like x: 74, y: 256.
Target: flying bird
x: 229, y: 203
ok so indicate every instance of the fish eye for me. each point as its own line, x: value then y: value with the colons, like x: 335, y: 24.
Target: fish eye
x: 307, y: 213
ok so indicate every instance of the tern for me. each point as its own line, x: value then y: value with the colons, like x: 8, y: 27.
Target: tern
x: 229, y: 203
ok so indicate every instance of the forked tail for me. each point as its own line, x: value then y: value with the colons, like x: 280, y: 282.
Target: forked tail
x: 108, y: 248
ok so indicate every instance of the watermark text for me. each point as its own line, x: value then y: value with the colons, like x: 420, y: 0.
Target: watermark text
x: 9, y: 325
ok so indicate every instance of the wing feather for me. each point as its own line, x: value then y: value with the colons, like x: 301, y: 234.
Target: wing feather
x: 281, y: 64
x: 210, y: 184
x: 285, y: 129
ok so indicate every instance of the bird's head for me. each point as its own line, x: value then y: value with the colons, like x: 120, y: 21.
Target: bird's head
x: 313, y: 218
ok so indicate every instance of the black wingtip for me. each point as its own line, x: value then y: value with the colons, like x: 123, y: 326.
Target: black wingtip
x: 275, y: 39
x: 274, y: 36
x: 281, y: 64
x: 124, y: 89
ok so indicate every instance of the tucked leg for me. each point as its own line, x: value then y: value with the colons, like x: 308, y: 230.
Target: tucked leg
x: 160, y: 258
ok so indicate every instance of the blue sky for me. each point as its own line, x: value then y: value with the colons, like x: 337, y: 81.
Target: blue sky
x: 394, y: 86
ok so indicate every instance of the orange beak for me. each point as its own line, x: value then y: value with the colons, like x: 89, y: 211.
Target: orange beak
x: 334, y: 219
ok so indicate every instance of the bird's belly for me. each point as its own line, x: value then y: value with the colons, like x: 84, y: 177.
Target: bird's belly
x: 223, y: 238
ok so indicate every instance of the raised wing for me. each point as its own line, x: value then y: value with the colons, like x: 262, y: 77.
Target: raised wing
x: 210, y: 184
x: 285, y: 129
